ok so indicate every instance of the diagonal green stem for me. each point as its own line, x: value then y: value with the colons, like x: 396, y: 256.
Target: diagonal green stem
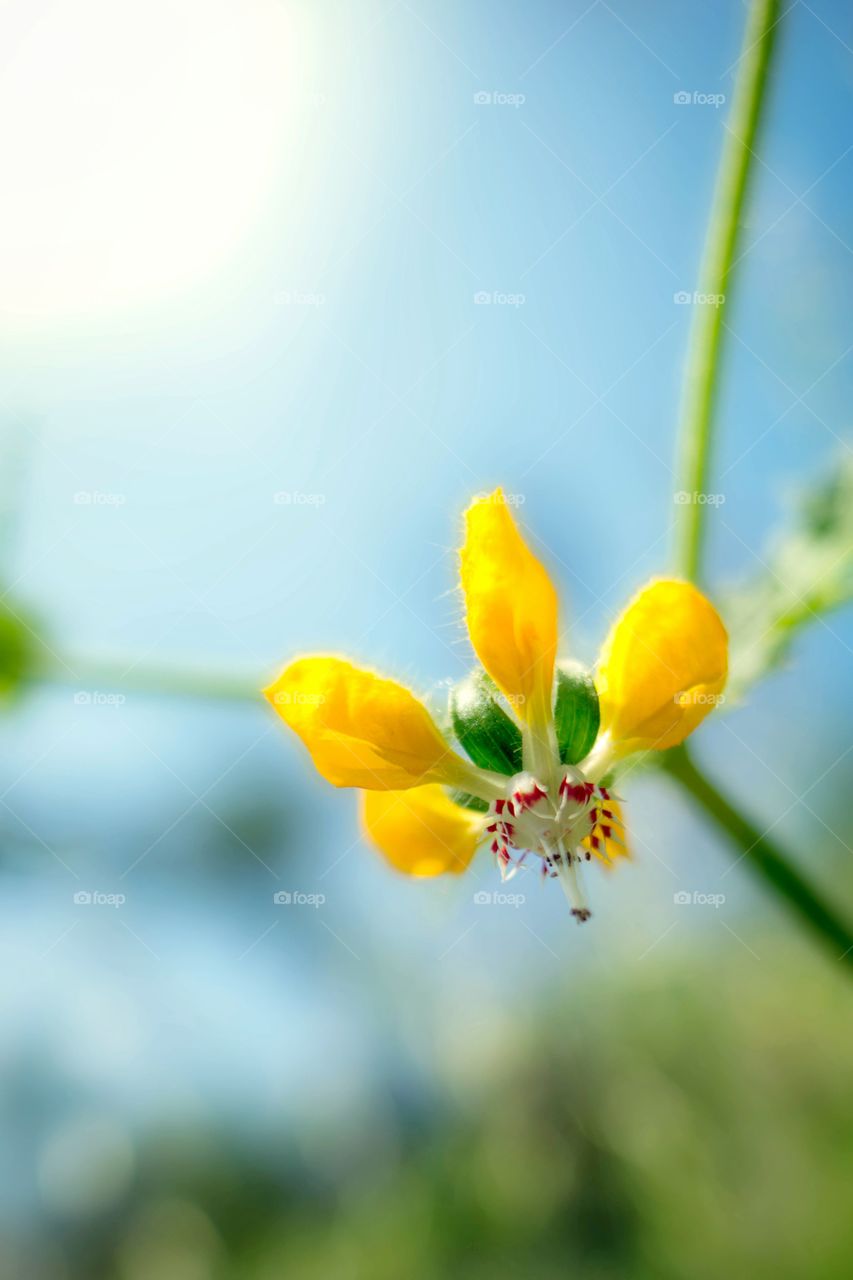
x: 696, y: 429
x: 762, y: 855
x: 701, y: 377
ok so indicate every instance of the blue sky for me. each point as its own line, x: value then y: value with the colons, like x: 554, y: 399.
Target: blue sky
x: 318, y: 337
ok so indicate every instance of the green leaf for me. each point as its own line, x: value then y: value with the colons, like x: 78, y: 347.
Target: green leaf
x: 576, y: 712
x: 808, y: 572
x: 484, y: 730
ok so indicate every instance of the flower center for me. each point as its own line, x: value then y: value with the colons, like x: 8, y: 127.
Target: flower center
x: 561, y: 824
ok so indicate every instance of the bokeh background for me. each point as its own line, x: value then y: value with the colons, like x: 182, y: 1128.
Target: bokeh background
x: 249, y: 382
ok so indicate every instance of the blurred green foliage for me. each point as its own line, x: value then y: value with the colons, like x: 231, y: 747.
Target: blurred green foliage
x: 691, y: 1120
x: 16, y: 652
x: 807, y: 572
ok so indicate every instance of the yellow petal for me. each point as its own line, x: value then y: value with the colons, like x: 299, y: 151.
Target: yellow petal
x: 361, y: 730
x: 421, y: 832
x: 511, y: 607
x: 663, y: 667
x: 608, y: 849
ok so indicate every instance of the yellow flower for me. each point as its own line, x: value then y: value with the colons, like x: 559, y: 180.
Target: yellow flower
x: 541, y: 735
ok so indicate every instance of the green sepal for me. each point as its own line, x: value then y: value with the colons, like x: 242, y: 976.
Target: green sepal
x: 466, y: 801
x: 576, y: 712
x: 484, y: 730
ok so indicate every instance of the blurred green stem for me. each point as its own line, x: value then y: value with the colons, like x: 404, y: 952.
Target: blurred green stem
x: 762, y: 854
x: 702, y: 369
x: 90, y: 673
x: 698, y: 419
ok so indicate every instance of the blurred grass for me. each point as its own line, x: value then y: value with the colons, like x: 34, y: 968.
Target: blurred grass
x: 690, y: 1119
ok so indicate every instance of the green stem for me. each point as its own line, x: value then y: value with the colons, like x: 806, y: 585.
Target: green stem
x: 701, y: 377
x: 90, y: 674
x: 762, y: 854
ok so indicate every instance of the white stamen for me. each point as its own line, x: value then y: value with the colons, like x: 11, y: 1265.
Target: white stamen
x: 564, y: 864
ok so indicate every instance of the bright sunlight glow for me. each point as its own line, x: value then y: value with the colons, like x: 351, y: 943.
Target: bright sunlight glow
x: 134, y: 161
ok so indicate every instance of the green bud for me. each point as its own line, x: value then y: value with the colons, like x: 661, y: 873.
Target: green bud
x: 483, y: 728
x: 576, y: 712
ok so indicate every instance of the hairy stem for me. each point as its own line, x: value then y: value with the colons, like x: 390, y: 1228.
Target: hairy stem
x: 762, y: 855
x: 702, y: 369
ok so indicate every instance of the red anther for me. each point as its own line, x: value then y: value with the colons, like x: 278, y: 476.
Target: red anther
x: 607, y: 832
x: 604, y: 793
x: 606, y: 813
x: 595, y: 842
x: 510, y: 808
x: 499, y: 806
x: 495, y: 847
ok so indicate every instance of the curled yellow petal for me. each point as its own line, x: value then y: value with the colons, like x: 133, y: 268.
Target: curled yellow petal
x: 510, y: 606
x: 421, y: 832
x: 663, y: 667
x: 361, y: 730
